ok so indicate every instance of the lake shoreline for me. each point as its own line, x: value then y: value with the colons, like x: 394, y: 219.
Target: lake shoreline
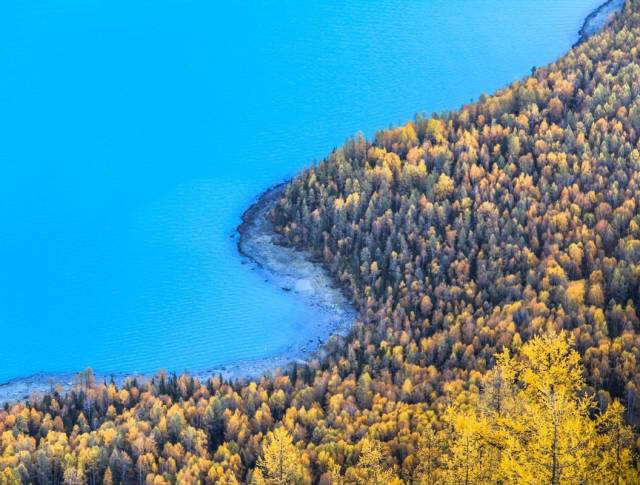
x: 325, y: 292
x: 598, y: 18
x: 293, y: 270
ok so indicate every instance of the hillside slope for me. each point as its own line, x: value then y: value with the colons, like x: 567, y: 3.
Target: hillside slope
x: 494, y: 255
x: 469, y: 231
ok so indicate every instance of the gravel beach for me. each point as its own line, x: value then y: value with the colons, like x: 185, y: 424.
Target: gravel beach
x: 290, y: 269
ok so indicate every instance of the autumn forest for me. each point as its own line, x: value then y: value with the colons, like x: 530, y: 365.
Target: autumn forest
x: 493, y: 254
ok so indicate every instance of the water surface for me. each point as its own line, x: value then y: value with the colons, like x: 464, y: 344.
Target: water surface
x: 133, y: 135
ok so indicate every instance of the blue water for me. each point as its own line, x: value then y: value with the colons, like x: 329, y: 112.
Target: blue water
x: 133, y: 135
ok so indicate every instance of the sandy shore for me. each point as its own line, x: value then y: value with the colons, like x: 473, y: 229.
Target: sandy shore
x: 597, y: 19
x: 291, y: 270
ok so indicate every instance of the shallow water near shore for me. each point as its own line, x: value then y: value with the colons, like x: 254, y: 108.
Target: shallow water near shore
x: 134, y: 135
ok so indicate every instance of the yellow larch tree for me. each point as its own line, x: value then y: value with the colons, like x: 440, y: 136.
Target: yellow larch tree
x: 545, y: 433
x: 108, y: 477
x: 542, y: 427
x: 429, y: 456
x: 533, y: 424
x: 372, y: 468
x: 281, y: 462
x: 8, y: 476
x: 471, y: 459
x: 614, y: 446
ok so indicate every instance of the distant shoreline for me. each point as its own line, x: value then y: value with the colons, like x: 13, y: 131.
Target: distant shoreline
x: 250, y: 240
x: 596, y: 20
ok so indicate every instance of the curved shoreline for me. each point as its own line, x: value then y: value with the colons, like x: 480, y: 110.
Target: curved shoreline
x: 597, y: 19
x: 291, y: 269
x: 296, y: 271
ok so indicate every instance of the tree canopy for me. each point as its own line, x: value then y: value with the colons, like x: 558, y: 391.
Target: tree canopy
x: 494, y: 256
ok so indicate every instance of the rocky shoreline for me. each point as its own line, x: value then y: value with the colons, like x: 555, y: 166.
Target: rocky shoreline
x: 295, y: 271
x: 597, y: 19
x: 291, y: 269
x: 286, y: 267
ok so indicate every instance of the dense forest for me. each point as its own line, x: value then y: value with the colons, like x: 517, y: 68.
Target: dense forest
x: 494, y: 255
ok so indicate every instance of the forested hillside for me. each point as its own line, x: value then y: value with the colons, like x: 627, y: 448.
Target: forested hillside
x: 494, y: 254
x: 460, y: 234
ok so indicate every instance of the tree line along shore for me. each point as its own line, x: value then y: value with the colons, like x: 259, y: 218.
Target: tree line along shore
x: 493, y: 254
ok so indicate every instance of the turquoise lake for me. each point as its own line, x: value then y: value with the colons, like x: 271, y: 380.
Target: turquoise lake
x: 134, y: 134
